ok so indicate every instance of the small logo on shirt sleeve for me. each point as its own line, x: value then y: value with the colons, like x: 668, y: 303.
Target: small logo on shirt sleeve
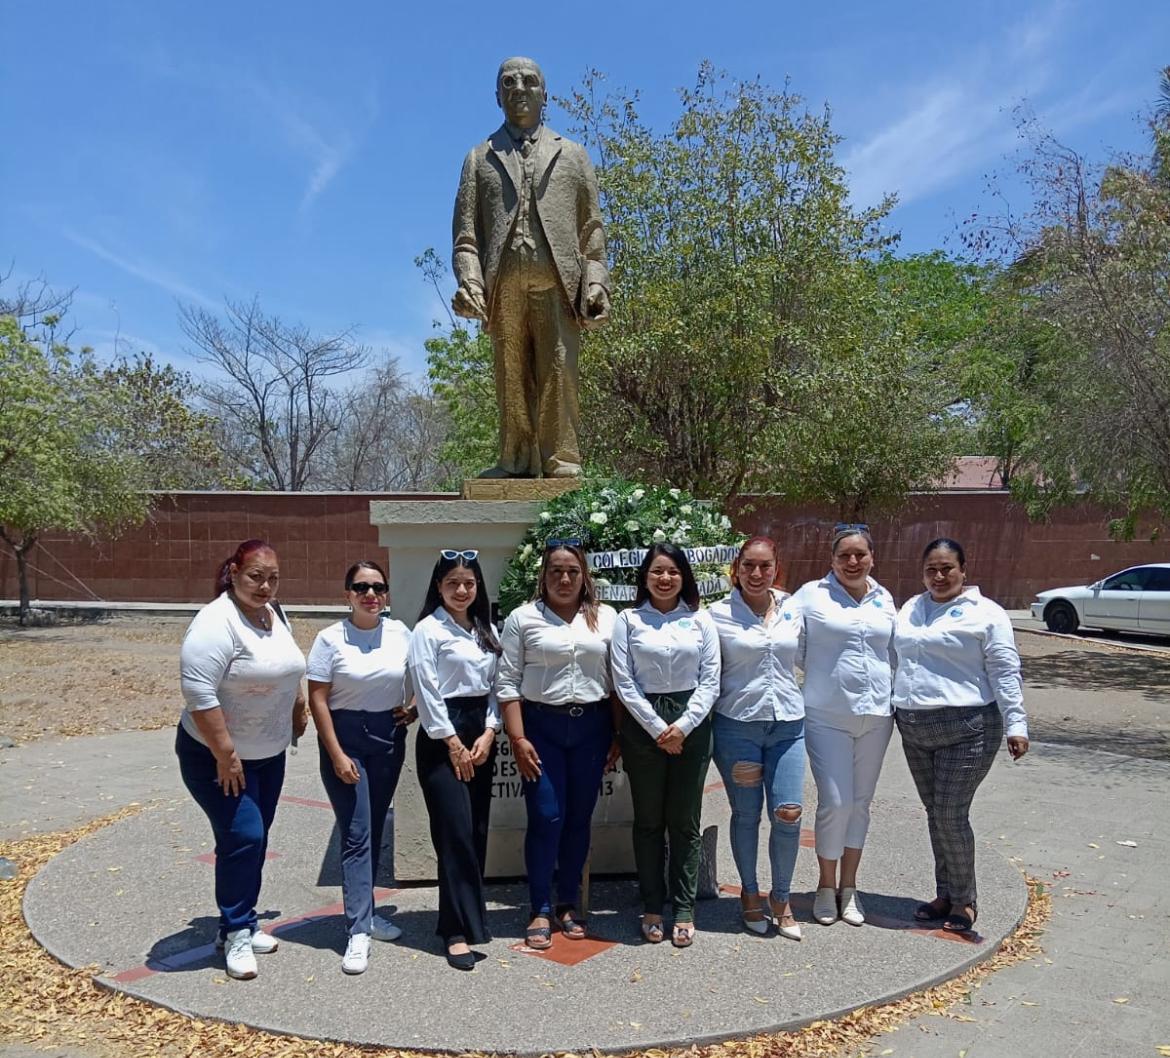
x: 954, y: 611
x: 877, y: 603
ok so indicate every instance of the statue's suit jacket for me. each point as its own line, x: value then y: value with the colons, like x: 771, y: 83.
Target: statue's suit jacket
x: 566, y: 202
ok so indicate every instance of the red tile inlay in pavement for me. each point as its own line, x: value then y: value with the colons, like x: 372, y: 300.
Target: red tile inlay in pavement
x: 564, y: 951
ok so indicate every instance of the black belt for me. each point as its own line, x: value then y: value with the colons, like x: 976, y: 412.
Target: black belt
x: 475, y: 701
x: 569, y: 708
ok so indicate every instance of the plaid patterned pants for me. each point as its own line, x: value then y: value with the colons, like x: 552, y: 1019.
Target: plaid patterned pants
x: 950, y: 751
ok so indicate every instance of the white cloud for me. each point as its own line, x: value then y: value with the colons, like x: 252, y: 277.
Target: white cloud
x: 141, y: 269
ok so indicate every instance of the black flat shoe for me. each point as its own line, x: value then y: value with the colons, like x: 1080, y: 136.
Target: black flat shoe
x: 960, y: 922
x: 465, y: 961
x: 938, y: 908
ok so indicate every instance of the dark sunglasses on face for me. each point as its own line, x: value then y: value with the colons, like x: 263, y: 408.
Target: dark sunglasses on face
x: 470, y: 555
x: 362, y: 587
x: 552, y: 543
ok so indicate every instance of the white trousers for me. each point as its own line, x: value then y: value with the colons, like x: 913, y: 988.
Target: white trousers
x: 845, y: 753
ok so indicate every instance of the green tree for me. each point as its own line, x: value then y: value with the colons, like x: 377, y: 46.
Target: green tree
x: 1090, y: 262
x: 753, y: 344
x: 81, y: 443
x: 461, y: 372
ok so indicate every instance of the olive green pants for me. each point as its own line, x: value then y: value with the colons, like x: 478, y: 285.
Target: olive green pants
x: 667, y: 794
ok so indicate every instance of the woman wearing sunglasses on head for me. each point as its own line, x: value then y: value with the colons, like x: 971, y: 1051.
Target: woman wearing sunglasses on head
x: 665, y: 655
x: 453, y: 657
x: 848, y: 636
x: 554, y: 691
x: 359, y: 690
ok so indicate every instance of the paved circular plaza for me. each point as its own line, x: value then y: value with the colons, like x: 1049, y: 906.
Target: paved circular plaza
x: 135, y: 898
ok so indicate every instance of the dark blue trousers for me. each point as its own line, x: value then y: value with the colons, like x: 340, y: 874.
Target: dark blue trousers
x: 377, y: 745
x: 572, y: 751
x: 240, y: 823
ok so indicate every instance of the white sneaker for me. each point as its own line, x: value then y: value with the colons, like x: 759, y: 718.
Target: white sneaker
x: 384, y: 929
x: 851, y: 910
x: 262, y: 943
x: 357, y: 954
x: 825, y: 905
x: 241, y: 962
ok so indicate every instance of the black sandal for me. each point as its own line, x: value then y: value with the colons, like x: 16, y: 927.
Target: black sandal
x: 937, y: 908
x: 960, y: 921
x: 571, y: 926
x: 538, y: 938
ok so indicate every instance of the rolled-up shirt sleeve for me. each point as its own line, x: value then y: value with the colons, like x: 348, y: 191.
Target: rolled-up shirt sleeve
x: 432, y: 710
x: 625, y: 681
x: 207, y: 651
x: 510, y: 673
x: 710, y: 666
x: 1001, y: 658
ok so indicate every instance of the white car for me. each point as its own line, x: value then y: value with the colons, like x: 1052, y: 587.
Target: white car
x: 1135, y: 600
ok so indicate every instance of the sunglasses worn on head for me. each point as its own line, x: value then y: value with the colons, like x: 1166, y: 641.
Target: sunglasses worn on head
x: 552, y: 543
x: 850, y: 527
x: 362, y: 587
x: 470, y: 555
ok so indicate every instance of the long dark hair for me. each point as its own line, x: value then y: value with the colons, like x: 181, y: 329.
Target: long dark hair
x: 480, y: 610
x: 588, y: 600
x: 223, y: 578
x: 365, y: 563
x: 690, y: 588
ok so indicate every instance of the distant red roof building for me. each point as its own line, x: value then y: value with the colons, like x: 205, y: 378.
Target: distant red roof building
x: 973, y: 472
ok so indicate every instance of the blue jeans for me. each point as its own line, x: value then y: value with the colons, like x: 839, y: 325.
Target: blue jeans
x: 572, y: 751
x: 240, y: 823
x: 761, y: 759
x: 376, y: 744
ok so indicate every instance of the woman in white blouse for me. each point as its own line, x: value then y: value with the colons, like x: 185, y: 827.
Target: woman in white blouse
x: 453, y: 658
x: 359, y: 688
x: 240, y: 671
x: 848, y: 628
x: 554, y: 692
x: 759, y: 730
x: 957, y: 689
x: 665, y: 655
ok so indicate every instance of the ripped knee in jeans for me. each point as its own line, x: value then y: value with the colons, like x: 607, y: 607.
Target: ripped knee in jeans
x: 747, y: 773
x: 789, y: 813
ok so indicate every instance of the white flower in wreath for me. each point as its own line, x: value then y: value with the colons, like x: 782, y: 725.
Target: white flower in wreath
x: 601, y: 582
x: 633, y: 526
x: 636, y: 496
x: 659, y: 536
x: 595, y: 505
x: 724, y: 522
x: 545, y: 516
x: 599, y: 517
x: 526, y: 552
x: 686, y: 508
x: 678, y: 536
x: 675, y: 493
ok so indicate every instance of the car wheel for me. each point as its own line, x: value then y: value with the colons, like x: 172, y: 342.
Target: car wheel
x: 1061, y: 617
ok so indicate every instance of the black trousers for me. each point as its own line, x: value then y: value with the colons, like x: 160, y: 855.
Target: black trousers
x: 459, y: 813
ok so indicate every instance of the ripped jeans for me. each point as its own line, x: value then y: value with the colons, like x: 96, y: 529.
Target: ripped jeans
x: 762, y: 760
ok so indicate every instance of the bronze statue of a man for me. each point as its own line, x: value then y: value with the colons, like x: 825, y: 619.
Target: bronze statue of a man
x: 529, y: 258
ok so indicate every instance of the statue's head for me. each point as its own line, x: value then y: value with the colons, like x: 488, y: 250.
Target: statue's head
x: 520, y: 91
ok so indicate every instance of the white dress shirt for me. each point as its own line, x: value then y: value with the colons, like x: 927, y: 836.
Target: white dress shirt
x: 547, y: 660
x: 252, y: 674
x: 848, y: 657
x: 657, y: 653
x: 365, y: 667
x: 446, y: 661
x: 962, y: 654
x: 758, y: 680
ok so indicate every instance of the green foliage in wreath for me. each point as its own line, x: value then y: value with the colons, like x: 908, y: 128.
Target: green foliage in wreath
x: 609, y: 515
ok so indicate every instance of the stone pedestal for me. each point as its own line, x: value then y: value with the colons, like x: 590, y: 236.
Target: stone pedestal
x: 493, y: 517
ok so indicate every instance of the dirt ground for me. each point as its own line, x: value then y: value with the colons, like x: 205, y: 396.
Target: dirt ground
x: 122, y: 674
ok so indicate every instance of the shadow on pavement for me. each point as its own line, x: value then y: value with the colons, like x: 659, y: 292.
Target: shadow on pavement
x: 1148, y: 674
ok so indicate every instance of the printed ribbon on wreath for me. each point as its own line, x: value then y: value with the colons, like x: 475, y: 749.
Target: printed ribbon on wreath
x: 708, y: 586
x: 721, y: 554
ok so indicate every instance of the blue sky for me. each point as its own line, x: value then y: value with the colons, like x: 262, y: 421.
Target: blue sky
x: 305, y: 153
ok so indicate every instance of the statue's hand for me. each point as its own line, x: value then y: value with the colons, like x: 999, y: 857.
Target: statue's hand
x: 596, y: 305
x: 468, y: 302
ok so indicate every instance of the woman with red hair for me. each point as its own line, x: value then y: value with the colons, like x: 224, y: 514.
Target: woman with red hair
x: 759, y: 730
x: 240, y: 671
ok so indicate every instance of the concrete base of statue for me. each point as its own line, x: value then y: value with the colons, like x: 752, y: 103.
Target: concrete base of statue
x: 414, y: 856
x: 494, y: 522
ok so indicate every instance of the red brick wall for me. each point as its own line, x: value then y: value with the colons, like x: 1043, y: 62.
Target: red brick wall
x: 1008, y: 557
x: 173, y: 557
